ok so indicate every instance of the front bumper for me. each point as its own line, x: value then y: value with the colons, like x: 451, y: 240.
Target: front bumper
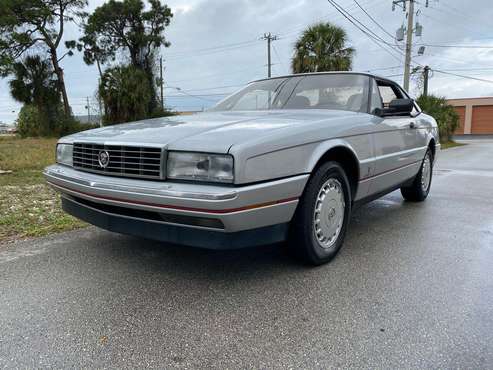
x: 165, y: 210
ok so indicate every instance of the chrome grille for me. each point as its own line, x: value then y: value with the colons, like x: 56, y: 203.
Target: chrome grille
x: 128, y: 161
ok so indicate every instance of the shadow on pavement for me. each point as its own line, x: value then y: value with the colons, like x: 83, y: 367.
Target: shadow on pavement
x: 253, y: 261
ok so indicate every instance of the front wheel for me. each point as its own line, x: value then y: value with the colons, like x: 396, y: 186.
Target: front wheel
x: 320, y: 222
x: 421, y: 185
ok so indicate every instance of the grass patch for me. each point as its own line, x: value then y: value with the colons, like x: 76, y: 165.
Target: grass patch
x: 451, y: 144
x: 28, y: 207
x: 26, y: 158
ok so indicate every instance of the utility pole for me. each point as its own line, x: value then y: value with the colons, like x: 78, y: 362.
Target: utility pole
x: 411, y: 28
x: 426, y: 76
x: 100, y: 111
x: 269, y: 38
x: 161, y: 82
x: 88, y: 110
x: 409, y: 44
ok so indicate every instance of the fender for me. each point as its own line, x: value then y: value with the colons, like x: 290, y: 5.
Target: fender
x: 364, y: 165
x: 324, y: 147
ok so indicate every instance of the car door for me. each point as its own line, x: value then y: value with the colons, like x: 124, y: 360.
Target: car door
x: 396, y: 142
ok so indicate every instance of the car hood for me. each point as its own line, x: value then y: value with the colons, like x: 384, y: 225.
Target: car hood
x: 208, y: 131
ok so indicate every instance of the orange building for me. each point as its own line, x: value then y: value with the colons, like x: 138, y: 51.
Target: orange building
x: 476, y: 115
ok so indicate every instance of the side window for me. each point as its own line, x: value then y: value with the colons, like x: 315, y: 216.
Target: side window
x: 376, y: 99
x: 387, y: 94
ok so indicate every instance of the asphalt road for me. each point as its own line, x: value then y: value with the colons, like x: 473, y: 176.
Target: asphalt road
x: 412, y: 288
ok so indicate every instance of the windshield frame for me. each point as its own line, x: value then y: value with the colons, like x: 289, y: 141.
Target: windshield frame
x: 286, y: 80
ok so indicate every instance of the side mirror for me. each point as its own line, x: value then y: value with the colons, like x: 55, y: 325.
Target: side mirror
x: 397, y: 107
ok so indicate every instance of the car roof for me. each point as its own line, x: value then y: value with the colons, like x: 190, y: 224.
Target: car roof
x: 329, y: 73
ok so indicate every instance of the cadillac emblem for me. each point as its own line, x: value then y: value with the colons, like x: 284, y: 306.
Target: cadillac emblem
x: 103, y: 158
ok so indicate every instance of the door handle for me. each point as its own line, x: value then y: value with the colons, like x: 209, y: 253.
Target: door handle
x: 412, y: 124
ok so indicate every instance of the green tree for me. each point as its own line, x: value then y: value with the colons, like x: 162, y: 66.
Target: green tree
x: 444, y: 113
x: 26, y: 25
x: 322, y: 47
x: 33, y: 84
x: 28, y: 122
x: 125, y: 26
x: 126, y: 93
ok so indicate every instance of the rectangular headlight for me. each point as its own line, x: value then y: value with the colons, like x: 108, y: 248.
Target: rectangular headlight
x: 200, y: 167
x: 64, y: 153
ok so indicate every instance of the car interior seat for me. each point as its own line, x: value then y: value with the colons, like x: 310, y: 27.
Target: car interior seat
x: 298, y: 102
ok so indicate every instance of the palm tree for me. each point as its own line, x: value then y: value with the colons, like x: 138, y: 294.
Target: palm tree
x: 34, y: 84
x: 322, y: 47
x: 126, y: 93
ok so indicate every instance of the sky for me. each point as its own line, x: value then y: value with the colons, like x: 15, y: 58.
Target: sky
x: 216, y: 47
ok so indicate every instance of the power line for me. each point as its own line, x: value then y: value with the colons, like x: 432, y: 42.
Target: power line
x: 459, y: 13
x: 330, y: 17
x: 383, y: 68
x: 224, y: 47
x: 462, y: 76
x: 201, y: 97
x: 451, y: 25
x: 275, y: 50
x: 217, y: 87
x: 279, y: 59
x: 351, y: 18
x: 185, y: 56
x: 203, y: 77
x: 458, y: 46
x: 448, y: 59
x: 214, y: 47
x: 181, y: 96
x: 373, y: 19
x: 365, y: 30
x: 470, y: 69
x: 209, y: 51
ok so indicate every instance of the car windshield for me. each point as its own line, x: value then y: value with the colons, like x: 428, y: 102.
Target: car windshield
x: 324, y: 91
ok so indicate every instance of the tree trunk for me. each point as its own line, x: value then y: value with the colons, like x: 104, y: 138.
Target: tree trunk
x: 153, y: 101
x: 61, y: 82
x: 101, y: 101
x: 99, y: 69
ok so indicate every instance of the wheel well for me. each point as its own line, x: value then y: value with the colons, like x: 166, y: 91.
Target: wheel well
x: 432, y: 146
x: 348, y: 161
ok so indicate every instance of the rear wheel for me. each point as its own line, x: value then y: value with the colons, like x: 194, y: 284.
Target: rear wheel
x: 320, y: 222
x: 421, y: 185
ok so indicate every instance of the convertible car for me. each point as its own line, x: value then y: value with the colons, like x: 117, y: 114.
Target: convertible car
x: 284, y: 158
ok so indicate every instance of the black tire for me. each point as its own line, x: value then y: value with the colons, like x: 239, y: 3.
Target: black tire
x: 419, y: 190
x: 303, y: 241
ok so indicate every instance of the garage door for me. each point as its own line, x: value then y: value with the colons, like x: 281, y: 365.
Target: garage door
x: 482, y: 119
x: 462, y: 119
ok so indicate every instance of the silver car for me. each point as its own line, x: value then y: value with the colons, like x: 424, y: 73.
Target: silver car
x: 285, y: 158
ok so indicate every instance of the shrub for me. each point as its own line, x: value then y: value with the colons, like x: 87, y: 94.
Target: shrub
x: 160, y: 112
x: 32, y: 123
x: 69, y: 125
x: 444, y: 113
x: 28, y: 122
